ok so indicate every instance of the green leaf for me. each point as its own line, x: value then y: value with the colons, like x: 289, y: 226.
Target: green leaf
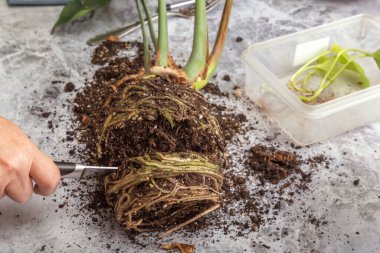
x: 353, y: 66
x: 167, y: 115
x: 326, y: 65
x: 376, y: 57
x: 77, y: 9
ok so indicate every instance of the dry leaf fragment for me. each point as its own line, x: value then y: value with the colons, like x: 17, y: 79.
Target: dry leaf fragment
x: 237, y: 92
x: 113, y: 38
x: 184, y: 248
x: 85, y: 119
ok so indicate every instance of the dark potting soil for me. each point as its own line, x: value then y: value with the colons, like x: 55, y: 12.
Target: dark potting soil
x: 69, y: 87
x: 91, y: 99
x: 270, y: 165
x: 230, y: 123
x: 213, y: 89
x: 177, y: 119
x: 170, y: 117
x: 263, y: 165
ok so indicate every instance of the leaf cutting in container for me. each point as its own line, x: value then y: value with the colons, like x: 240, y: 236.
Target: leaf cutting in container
x: 328, y: 66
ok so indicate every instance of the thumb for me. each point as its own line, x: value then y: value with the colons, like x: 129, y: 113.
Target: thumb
x: 44, y: 173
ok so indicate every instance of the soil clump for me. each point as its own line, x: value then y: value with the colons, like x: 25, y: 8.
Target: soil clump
x: 126, y: 116
x: 262, y: 165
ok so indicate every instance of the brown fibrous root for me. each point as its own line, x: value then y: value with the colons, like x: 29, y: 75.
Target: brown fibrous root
x: 164, y: 191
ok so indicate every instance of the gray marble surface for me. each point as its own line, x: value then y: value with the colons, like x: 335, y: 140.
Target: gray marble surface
x: 31, y: 58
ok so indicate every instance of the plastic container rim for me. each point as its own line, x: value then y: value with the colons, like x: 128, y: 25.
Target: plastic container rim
x: 310, y: 111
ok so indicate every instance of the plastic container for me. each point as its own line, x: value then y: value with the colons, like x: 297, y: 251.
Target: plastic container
x: 270, y: 64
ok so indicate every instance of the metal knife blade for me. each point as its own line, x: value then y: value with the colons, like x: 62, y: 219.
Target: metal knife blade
x: 120, y: 32
x: 178, y: 5
x: 74, y: 170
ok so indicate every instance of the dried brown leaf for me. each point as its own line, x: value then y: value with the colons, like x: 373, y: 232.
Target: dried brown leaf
x: 184, y: 248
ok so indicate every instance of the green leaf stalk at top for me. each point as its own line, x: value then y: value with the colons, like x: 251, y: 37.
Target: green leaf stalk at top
x: 150, y: 24
x: 145, y: 40
x: 199, y: 52
x: 214, y: 57
x: 162, y: 53
x: 76, y: 9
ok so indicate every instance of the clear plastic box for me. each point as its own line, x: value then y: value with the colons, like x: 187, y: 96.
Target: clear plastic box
x: 270, y: 64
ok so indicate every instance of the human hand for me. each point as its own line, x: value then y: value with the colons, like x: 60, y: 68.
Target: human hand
x: 20, y: 163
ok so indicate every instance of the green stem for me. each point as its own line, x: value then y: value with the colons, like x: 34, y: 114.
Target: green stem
x: 199, y: 53
x: 163, y: 44
x: 305, y: 82
x: 306, y: 66
x: 145, y: 40
x: 293, y: 81
x: 150, y: 24
x: 213, y: 59
x: 325, y: 84
x: 331, y: 66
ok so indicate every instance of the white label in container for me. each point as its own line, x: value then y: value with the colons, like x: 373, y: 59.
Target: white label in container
x: 308, y: 50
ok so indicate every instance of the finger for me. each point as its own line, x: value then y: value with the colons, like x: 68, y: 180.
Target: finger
x: 44, y: 173
x: 20, y: 189
x: 4, y: 181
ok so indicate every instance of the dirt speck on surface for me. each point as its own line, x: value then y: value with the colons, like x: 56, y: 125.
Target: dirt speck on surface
x: 213, y: 89
x: 270, y: 165
x: 227, y: 78
x: 69, y: 87
x: 45, y: 114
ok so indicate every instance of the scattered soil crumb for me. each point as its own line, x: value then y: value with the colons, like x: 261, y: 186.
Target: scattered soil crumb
x: 270, y: 165
x: 227, y: 78
x: 45, y: 114
x: 69, y: 87
x: 213, y: 89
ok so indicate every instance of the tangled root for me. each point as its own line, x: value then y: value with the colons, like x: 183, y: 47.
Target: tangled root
x: 153, y: 114
x: 164, y: 191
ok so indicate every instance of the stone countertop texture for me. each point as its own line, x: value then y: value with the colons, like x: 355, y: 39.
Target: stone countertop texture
x: 31, y: 59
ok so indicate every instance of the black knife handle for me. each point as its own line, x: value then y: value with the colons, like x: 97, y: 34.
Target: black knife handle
x: 65, y: 168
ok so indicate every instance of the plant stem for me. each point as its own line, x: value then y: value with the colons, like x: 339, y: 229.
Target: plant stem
x: 331, y: 73
x: 306, y: 66
x: 150, y: 24
x: 323, y: 85
x: 145, y: 40
x: 199, y: 53
x: 163, y: 44
x: 213, y: 59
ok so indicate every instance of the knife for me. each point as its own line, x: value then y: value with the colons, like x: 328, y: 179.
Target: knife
x: 74, y: 170
x: 178, y: 5
x: 121, y: 32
